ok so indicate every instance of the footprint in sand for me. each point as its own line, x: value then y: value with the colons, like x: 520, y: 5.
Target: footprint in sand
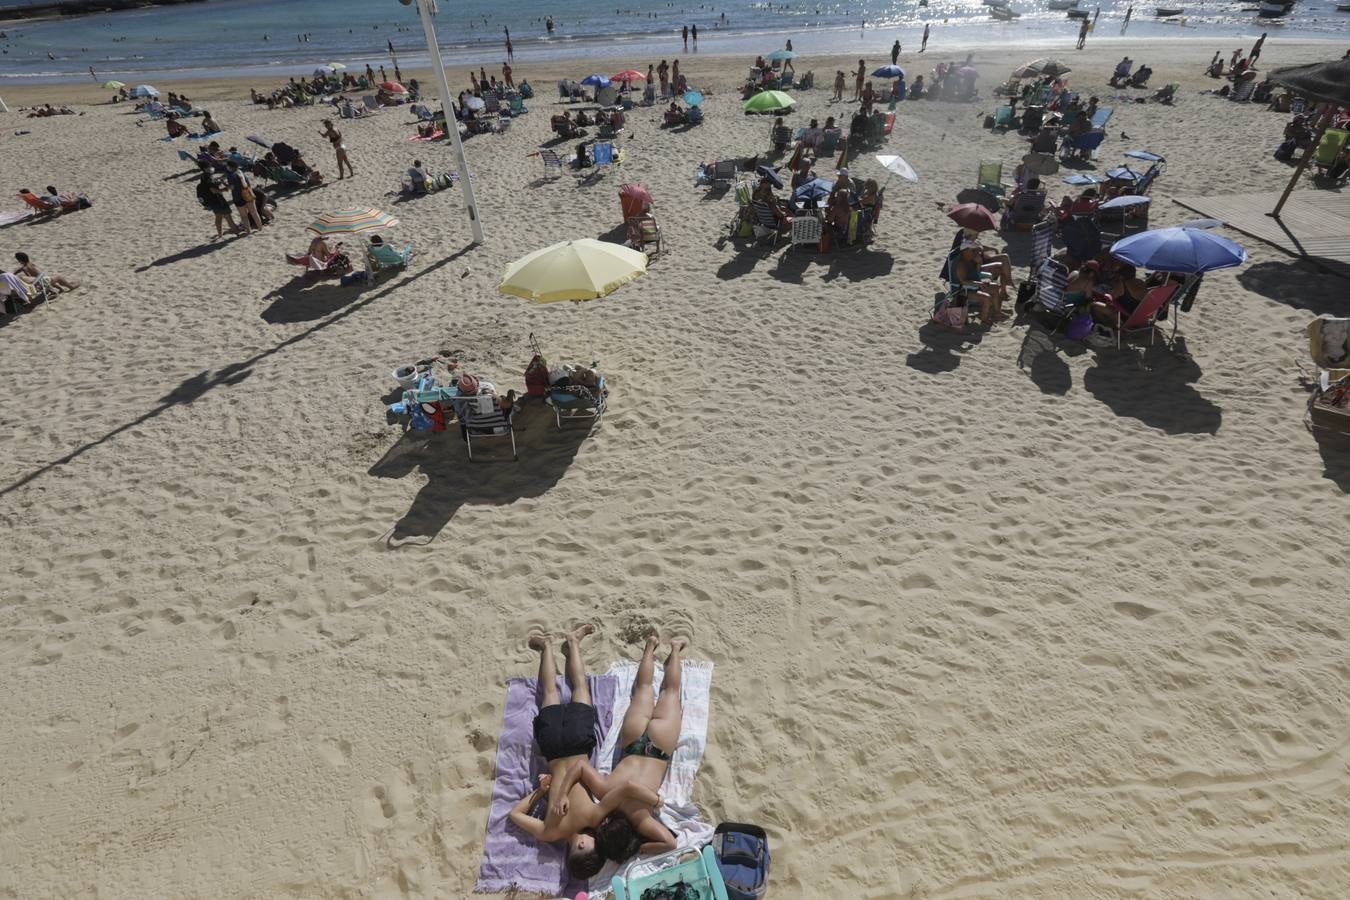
x: 335, y: 751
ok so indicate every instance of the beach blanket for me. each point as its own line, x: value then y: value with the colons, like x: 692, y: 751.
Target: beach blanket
x: 512, y: 858
x: 677, y: 791
x: 9, y: 218
x: 434, y: 136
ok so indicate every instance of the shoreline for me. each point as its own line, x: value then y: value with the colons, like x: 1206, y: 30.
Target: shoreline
x: 544, y: 74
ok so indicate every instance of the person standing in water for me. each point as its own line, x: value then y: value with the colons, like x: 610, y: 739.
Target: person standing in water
x: 895, y: 52
x: 924, y: 45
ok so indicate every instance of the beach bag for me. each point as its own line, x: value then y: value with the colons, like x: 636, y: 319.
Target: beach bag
x: 742, y: 853
x: 950, y: 309
x: 1079, y: 327
x: 537, y: 376
x: 1285, y: 150
x: 246, y: 192
x: 444, y: 180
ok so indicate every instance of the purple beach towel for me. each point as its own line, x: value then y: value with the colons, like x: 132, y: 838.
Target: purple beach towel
x: 511, y: 858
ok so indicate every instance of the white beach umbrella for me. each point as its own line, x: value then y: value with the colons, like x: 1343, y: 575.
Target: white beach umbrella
x: 897, y: 166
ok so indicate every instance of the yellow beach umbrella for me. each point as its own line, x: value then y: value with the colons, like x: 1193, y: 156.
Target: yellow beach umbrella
x: 114, y: 85
x: 572, y: 270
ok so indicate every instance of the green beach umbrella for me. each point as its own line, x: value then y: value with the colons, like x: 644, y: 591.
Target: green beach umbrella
x: 337, y: 67
x: 114, y: 85
x: 768, y: 101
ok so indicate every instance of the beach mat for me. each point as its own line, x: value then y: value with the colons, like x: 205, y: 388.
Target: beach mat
x: 511, y: 858
x: 678, y: 811
x: 10, y: 217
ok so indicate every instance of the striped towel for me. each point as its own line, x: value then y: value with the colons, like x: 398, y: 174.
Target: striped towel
x: 679, y: 812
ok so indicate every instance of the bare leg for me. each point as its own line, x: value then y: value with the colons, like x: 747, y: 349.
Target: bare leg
x: 548, y: 671
x: 576, y: 667
x: 644, y: 699
x: 664, y: 727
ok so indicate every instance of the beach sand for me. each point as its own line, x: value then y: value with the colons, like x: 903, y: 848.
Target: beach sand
x: 991, y: 617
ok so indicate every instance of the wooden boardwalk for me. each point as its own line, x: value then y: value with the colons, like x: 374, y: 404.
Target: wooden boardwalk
x: 1313, y: 224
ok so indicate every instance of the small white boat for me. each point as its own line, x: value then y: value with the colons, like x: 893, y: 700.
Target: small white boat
x: 1343, y: 7
x: 1003, y: 14
x: 1076, y: 13
x: 1062, y: 4
x: 1274, y: 9
x: 1164, y: 12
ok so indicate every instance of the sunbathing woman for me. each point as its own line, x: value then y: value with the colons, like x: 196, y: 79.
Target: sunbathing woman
x: 30, y: 273
x: 175, y: 128
x: 566, y: 735
x: 648, y: 737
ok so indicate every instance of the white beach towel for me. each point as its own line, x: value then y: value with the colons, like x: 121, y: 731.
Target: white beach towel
x: 678, y: 811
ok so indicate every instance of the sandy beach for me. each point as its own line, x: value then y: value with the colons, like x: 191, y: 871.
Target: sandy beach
x: 991, y: 616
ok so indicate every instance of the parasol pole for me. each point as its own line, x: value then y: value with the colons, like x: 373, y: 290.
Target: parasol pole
x: 1308, y: 154
x: 426, y: 9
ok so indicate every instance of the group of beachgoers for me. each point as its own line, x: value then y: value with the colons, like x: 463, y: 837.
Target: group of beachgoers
x: 602, y: 817
x: 231, y: 182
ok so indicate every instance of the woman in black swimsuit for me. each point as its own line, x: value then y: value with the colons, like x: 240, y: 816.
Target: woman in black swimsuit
x: 340, y: 149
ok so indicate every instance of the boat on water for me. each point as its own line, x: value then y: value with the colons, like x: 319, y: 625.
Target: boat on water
x: 995, y: 4
x: 1062, y: 4
x: 1343, y: 7
x: 1274, y: 9
x: 1003, y: 14
x: 1164, y: 12
x: 1076, y: 13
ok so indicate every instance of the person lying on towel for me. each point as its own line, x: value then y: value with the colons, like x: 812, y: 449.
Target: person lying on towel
x: 583, y: 805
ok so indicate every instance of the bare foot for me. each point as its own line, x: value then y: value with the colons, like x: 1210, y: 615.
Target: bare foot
x: 677, y: 645
x: 580, y: 631
x: 538, y: 641
x: 652, y: 643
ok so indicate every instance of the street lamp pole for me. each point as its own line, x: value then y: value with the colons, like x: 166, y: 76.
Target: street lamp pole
x: 426, y: 9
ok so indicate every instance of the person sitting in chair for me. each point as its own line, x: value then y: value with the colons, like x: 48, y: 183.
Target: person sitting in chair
x: 970, y: 274
x: 674, y: 114
x: 1122, y: 72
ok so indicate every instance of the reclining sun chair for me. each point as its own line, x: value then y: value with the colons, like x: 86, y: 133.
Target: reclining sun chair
x: 1048, y: 301
x: 41, y: 207
x: 1145, y: 315
x: 780, y: 136
x: 1026, y: 210
x: 315, y: 266
x: 766, y: 225
x: 1004, y: 118
x: 989, y: 177
x: 1101, y: 117
x: 576, y: 402
x: 643, y: 230
x: 552, y: 162
x: 386, y: 256
x: 829, y: 142
x: 1329, y: 148
x: 696, y: 870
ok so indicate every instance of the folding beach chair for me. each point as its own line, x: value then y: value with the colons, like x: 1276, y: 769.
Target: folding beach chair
x: 187, y: 157
x: 1082, y: 146
x: 1004, y: 118
x: 829, y: 141
x: 371, y: 103
x: 576, y: 402
x: 1332, y: 143
x: 989, y: 177
x: 724, y: 171
x: 780, y: 136
x: 602, y: 156
x: 806, y: 229
x: 482, y: 417
x: 1101, y: 117
x: 40, y: 206
x: 552, y: 162
x: 1041, y: 164
x: 1027, y: 210
x: 518, y: 107
x: 766, y: 225
x: 643, y: 230
x: 491, y: 102
x: 1042, y: 239
x: 1145, y: 315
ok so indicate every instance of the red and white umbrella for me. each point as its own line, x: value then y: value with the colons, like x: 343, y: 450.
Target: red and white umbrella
x: 393, y: 87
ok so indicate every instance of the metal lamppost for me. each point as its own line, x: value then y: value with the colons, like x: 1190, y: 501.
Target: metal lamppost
x: 427, y: 9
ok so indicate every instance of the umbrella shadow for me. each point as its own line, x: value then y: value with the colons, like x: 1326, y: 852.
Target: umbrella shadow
x: 1154, y: 387
x: 859, y: 263
x: 491, y: 479
x: 942, y: 348
x: 741, y: 263
x: 304, y: 299
x: 1300, y: 284
x: 616, y: 235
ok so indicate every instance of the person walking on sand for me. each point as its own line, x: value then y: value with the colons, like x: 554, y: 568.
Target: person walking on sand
x: 1082, y: 34
x: 1256, y: 50
x: 838, y: 86
x: 684, y: 34
x: 567, y: 734
x: 924, y: 45
x: 510, y: 50
x: 506, y: 75
x: 648, y: 737
x: 339, y: 148
x: 693, y: 33
x: 858, y: 77
x: 895, y: 52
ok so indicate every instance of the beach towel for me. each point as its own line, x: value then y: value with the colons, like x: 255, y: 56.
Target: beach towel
x: 512, y: 858
x: 678, y: 811
x: 9, y: 218
x: 434, y: 136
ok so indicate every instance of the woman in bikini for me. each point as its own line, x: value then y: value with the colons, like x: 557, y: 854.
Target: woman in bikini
x: 340, y: 149
x: 650, y: 732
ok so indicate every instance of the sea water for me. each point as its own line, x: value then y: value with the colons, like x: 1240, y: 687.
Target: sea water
x: 269, y: 37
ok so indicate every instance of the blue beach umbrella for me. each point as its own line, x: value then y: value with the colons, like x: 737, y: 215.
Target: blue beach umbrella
x: 144, y: 90
x: 693, y: 98
x: 1123, y: 173
x: 1147, y: 155
x: 1179, y: 250
x: 1125, y: 201
x: 1084, y: 180
x: 815, y: 189
x: 780, y: 55
x: 596, y: 80
x: 889, y: 72
x: 769, y: 173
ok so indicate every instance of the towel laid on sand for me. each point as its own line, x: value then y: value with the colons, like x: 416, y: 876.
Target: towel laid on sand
x: 678, y: 810
x: 9, y: 218
x: 512, y: 858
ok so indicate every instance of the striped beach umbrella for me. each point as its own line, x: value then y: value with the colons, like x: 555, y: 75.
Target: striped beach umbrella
x: 351, y: 221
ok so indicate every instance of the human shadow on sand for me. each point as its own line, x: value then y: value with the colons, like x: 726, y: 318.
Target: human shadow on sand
x: 943, y: 347
x: 1154, y: 386
x: 491, y: 479
x: 196, y: 252
x: 304, y: 299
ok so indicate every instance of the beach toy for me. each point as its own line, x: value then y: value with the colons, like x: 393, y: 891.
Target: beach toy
x: 406, y: 376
